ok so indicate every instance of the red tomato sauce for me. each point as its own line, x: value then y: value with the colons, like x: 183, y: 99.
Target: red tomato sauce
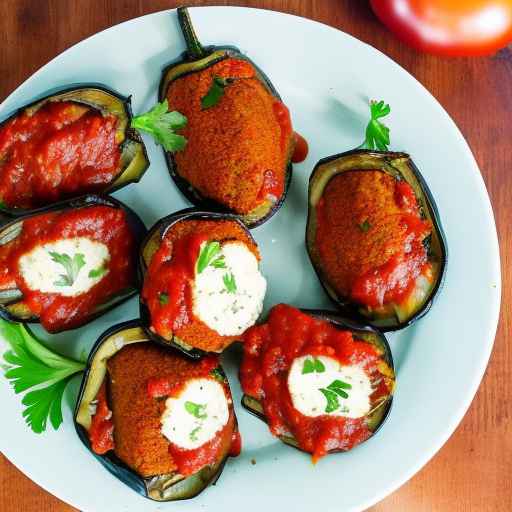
x: 166, y: 289
x: 226, y: 440
x: 64, y: 149
x: 394, y: 281
x: 301, y: 149
x: 269, y: 351
x: 101, y: 432
x: 98, y: 223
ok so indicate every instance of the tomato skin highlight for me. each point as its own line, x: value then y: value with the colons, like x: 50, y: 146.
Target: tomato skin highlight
x: 449, y: 27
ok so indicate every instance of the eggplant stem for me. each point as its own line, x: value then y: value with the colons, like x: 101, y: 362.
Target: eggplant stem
x: 195, y: 49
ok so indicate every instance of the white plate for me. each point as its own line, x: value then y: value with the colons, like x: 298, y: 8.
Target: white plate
x: 326, y: 78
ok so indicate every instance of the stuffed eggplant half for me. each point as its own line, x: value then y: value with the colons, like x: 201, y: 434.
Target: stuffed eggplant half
x: 374, y: 237
x: 74, y: 142
x: 239, y: 133
x: 161, y: 422
x: 322, y: 384
x: 202, y: 285
x: 63, y: 266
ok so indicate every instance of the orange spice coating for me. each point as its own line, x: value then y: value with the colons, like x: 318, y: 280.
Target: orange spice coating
x: 138, y: 441
x: 197, y: 333
x: 345, y: 249
x: 232, y: 144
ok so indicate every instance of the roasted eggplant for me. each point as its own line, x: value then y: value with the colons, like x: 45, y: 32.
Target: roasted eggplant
x: 170, y: 486
x: 268, y: 358
x: 360, y: 203
x: 217, y: 253
x: 208, y: 195
x: 65, y: 223
x: 87, y: 104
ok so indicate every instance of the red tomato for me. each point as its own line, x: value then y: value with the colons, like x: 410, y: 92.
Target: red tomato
x: 449, y: 27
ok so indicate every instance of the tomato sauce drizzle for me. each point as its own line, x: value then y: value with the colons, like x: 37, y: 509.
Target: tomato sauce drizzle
x: 99, y: 223
x: 166, y: 289
x: 226, y: 440
x: 101, y: 432
x: 269, y: 351
x: 394, y: 281
x: 64, y: 149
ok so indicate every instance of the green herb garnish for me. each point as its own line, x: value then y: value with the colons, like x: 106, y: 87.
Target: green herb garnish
x: 229, y: 282
x: 193, y: 434
x: 377, y: 133
x: 313, y: 365
x: 215, y: 92
x: 30, y: 364
x: 217, y: 374
x: 98, y: 272
x: 72, y: 267
x: 365, y: 226
x: 161, y: 125
x: 197, y: 410
x: 163, y: 298
x: 208, y: 256
x: 334, y: 389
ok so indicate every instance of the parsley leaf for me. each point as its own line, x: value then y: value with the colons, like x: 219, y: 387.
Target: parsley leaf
x: 377, y: 133
x: 161, y: 125
x: 217, y: 374
x: 197, y: 410
x: 30, y: 364
x: 98, y: 272
x: 313, y: 365
x: 193, y: 434
x: 365, y: 226
x: 207, y: 254
x: 163, y: 298
x: 332, y: 400
x: 229, y: 282
x: 215, y: 92
x: 334, y: 389
x: 72, y: 267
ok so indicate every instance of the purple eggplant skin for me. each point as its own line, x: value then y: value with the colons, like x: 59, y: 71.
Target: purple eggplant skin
x: 149, y: 247
x: 359, y: 331
x: 158, y: 487
x: 134, y: 157
x: 402, y: 167
x: 9, y: 298
x: 197, y: 58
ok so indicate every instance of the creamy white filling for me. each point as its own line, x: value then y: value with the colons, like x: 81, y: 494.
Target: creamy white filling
x: 230, y: 310
x: 313, y: 382
x: 196, y: 415
x: 69, y: 267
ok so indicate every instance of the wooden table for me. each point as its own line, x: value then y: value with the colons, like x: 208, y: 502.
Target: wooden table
x: 472, y: 471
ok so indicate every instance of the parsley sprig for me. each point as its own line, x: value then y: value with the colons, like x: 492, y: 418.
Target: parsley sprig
x: 334, y: 389
x: 229, y: 282
x: 31, y: 363
x: 377, y: 133
x: 313, y: 366
x: 208, y: 255
x: 215, y: 92
x: 72, y: 267
x: 197, y: 410
x: 161, y: 125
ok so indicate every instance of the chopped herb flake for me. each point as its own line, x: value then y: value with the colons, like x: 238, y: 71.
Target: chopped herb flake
x: 229, y: 282
x: 197, y: 410
x: 72, y: 267
x: 215, y: 92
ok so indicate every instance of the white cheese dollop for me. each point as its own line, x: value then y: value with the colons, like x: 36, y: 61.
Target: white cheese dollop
x: 230, y: 313
x: 309, y: 400
x: 41, y: 272
x: 196, y: 415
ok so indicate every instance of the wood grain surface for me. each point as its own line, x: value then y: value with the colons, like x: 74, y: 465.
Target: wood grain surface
x: 472, y: 472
